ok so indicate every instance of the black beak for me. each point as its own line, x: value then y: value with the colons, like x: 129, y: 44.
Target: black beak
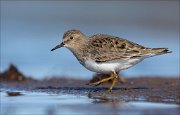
x: 58, y: 46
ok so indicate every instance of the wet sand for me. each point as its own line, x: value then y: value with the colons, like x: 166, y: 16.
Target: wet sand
x: 155, y: 89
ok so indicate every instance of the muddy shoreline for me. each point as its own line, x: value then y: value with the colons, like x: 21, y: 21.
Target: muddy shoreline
x: 151, y: 89
x: 139, y: 95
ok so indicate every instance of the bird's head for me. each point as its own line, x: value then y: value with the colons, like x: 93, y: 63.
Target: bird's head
x: 71, y: 38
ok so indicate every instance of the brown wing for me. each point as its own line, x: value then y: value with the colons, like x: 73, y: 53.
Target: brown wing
x: 108, y: 48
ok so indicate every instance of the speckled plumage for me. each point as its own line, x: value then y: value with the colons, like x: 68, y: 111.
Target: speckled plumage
x: 108, y: 48
x: 105, y: 53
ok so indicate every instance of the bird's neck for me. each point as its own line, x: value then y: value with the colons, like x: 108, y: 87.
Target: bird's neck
x: 80, y: 51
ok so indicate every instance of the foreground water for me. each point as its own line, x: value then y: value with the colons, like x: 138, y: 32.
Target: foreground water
x: 28, y: 102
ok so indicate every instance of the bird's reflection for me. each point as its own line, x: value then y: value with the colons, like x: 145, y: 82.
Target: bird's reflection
x: 103, y: 99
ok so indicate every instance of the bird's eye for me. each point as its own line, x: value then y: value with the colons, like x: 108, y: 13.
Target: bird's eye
x: 71, y: 37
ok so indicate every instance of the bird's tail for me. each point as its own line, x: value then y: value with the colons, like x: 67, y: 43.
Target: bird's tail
x: 160, y: 51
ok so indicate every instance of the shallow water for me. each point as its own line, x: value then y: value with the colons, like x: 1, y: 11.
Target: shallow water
x: 26, y: 102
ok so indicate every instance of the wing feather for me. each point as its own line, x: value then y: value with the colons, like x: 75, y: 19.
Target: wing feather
x: 108, y: 48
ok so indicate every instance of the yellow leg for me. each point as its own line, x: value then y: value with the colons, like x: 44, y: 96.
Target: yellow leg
x: 103, y: 80
x: 115, y: 79
x: 122, y: 79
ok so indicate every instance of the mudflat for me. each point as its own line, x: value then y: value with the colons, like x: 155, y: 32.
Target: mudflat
x: 140, y: 95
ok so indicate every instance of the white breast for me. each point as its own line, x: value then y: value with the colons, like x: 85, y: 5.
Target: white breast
x: 108, y: 67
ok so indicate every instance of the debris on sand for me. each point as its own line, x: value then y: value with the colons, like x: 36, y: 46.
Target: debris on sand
x: 12, y: 74
x: 13, y: 93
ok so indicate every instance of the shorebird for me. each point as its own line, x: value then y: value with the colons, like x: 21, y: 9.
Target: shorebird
x: 106, y: 54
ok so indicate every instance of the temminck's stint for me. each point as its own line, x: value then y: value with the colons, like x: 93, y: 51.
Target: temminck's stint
x: 103, y: 53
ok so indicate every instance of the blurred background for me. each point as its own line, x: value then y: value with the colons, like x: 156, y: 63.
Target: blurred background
x: 30, y: 29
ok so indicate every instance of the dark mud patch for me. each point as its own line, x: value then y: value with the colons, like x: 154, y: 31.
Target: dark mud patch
x: 9, y: 93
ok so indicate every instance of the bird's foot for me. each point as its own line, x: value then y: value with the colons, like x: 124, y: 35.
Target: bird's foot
x: 122, y: 80
x: 101, y: 81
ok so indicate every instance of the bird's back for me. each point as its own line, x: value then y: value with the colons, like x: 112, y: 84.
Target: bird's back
x: 108, y: 48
